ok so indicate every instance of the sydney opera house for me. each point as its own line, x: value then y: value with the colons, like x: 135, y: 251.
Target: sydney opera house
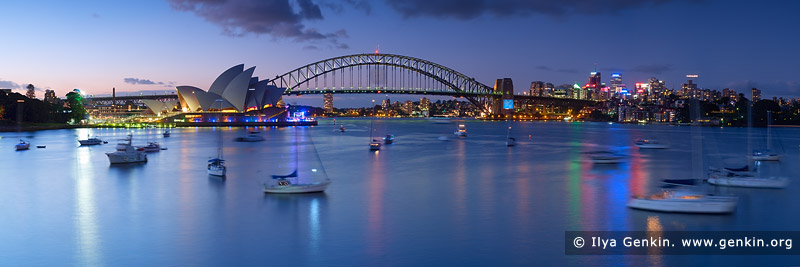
x: 235, y: 90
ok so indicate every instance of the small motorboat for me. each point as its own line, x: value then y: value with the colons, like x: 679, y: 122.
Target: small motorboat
x: 341, y: 128
x: 650, y: 144
x: 765, y: 155
x: 605, y: 157
x: 388, y: 139
x: 150, y: 147
x: 22, y: 145
x: 511, y: 141
x: 166, y: 134
x: 461, y: 131
x: 374, y: 145
x: 250, y: 138
x: 41, y: 146
x: 90, y: 141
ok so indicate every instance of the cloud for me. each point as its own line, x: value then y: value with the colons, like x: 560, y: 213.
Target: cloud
x: 146, y: 82
x: 469, y: 9
x: 653, y: 68
x: 339, y: 6
x: 9, y: 85
x: 277, y: 18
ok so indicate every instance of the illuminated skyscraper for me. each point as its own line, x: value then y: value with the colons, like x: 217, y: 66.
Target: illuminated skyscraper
x: 537, y: 88
x: 327, y: 102
x: 593, y: 86
x: 616, y: 86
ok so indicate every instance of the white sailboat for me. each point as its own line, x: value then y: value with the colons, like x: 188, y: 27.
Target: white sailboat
x: 290, y: 184
x: 22, y: 145
x: 743, y: 177
x: 765, y: 154
x: 510, y: 141
x: 685, y: 201
x: 374, y: 144
x: 126, y: 153
x: 216, y: 166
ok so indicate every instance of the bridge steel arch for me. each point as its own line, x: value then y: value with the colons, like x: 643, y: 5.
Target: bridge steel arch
x: 461, y: 85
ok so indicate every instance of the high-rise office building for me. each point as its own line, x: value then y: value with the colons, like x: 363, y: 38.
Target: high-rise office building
x: 616, y: 84
x: 327, y: 102
x: 756, y: 95
x: 593, y: 86
x: 537, y: 88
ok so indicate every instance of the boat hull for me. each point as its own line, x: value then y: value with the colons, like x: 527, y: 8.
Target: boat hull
x: 217, y: 171
x: 89, y: 143
x: 753, y: 182
x: 22, y: 147
x: 711, y: 204
x: 126, y: 158
x: 297, y: 188
x: 767, y: 158
x: 651, y: 146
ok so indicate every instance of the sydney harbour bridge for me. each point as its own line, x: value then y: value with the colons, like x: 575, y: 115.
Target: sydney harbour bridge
x: 384, y: 74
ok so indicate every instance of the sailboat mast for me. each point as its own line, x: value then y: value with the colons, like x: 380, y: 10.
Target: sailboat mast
x: 371, y: 120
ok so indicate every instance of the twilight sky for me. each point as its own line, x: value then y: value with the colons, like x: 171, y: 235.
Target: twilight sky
x: 153, y: 45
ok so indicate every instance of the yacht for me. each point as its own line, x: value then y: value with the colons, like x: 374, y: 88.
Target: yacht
x: 126, y: 153
x: 685, y: 201
x: 461, y: 131
x: 605, y: 157
x: 765, y: 155
x: 388, y: 139
x: 250, y: 138
x: 22, y: 145
x: 726, y: 177
x: 90, y: 141
x: 649, y: 144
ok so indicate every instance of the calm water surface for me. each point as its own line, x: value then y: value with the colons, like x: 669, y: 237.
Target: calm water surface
x: 420, y: 201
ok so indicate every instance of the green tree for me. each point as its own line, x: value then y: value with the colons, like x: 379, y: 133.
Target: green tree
x: 75, y: 103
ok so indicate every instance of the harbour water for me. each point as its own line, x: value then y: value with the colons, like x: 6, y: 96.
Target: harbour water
x: 417, y: 202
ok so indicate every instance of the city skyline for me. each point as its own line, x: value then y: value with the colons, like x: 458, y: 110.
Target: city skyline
x: 157, y: 45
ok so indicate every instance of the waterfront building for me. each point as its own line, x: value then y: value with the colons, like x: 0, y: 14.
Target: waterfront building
x: 658, y: 89
x: 424, y: 104
x: 689, y: 89
x: 237, y: 91
x: 327, y: 102
x: 408, y: 106
x: 756, y: 95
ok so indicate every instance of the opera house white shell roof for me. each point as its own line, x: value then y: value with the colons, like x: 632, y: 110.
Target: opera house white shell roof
x: 236, y: 89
